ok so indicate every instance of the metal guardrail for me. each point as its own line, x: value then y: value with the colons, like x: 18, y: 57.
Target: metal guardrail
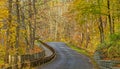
x: 46, y: 59
x: 35, y: 62
x: 105, y: 64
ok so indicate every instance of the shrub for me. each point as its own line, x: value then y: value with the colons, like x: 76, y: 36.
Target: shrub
x: 111, y: 48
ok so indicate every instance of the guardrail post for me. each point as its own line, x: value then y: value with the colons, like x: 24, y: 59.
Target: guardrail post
x: 10, y: 59
x: 29, y: 60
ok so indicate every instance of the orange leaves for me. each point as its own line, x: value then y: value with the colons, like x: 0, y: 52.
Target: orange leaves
x: 36, y: 49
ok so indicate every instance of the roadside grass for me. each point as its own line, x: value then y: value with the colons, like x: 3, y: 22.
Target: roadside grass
x: 84, y: 52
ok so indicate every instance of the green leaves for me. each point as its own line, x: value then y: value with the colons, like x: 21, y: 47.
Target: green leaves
x: 111, y: 48
x: 115, y: 37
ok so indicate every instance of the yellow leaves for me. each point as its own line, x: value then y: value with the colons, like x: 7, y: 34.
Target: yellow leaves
x: 62, y: 39
x: 2, y: 53
x: 3, y: 12
x: 3, y: 9
x: 2, y: 2
x: 12, y: 35
x: 2, y: 48
x: 23, y: 31
x: 12, y: 29
x: 12, y: 51
x: 50, y: 4
x: 3, y: 15
x: 2, y: 34
x: 1, y: 25
x: 22, y: 48
x: 55, y: 3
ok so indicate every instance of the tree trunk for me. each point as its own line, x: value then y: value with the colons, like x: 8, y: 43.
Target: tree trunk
x: 18, y: 23
x: 101, y: 30
x: 30, y: 25
x: 113, y: 19
x: 24, y: 26
x: 56, y: 30
x: 35, y: 12
x: 110, y: 19
x: 100, y: 24
x: 8, y: 27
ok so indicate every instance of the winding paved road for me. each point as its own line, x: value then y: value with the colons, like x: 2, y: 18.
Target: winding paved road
x: 66, y: 58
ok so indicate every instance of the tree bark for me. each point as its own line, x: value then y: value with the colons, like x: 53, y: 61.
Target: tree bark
x: 18, y: 23
x: 35, y: 12
x: 30, y: 24
x: 101, y: 30
x: 110, y: 19
x: 8, y: 27
x: 100, y: 24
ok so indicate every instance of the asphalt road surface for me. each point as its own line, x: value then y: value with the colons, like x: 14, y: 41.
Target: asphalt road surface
x: 66, y: 58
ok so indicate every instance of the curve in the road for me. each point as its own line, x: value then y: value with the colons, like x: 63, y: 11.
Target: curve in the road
x: 67, y: 58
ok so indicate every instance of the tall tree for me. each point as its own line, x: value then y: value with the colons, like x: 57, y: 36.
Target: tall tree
x: 8, y: 28
x: 35, y: 22
x: 100, y: 25
x: 30, y: 24
x: 111, y: 24
x: 18, y: 22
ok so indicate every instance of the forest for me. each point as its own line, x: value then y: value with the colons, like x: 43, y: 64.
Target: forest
x: 90, y: 25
